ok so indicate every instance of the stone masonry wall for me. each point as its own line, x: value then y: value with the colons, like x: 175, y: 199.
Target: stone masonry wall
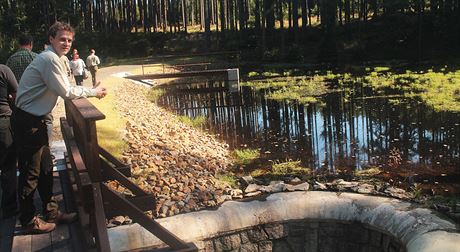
x: 305, y: 235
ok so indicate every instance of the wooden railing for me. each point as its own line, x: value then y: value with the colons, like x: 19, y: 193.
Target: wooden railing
x: 92, y: 166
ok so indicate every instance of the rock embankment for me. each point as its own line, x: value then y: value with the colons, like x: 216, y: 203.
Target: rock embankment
x: 173, y: 161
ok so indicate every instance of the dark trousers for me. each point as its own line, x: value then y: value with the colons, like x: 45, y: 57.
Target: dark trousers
x: 78, y: 79
x: 7, y: 168
x: 35, y: 165
x: 93, y: 71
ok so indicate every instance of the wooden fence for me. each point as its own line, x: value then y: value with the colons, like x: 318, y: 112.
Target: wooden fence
x: 92, y: 167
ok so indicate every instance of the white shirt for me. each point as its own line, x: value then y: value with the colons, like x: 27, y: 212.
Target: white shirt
x: 43, y: 81
x: 77, y: 66
x: 92, y: 60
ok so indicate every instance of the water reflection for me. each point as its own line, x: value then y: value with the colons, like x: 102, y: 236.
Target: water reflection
x: 344, y: 132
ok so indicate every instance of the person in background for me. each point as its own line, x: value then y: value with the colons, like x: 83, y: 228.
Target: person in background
x: 22, y: 57
x: 78, y: 68
x: 39, y: 88
x: 8, y: 181
x: 18, y: 63
x: 92, y: 61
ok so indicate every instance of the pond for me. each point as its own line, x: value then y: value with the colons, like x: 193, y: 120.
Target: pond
x: 343, y: 133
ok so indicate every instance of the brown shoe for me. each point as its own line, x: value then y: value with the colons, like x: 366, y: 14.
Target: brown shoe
x: 39, y: 226
x: 61, y: 217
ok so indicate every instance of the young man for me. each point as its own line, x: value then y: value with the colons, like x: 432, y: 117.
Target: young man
x: 19, y: 61
x: 92, y: 61
x: 8, y: 87
x: 42, y: 82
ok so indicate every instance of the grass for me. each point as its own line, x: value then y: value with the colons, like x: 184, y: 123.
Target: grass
x: 368, y: 172
x: 155, y: 93
x: 110, y: 129
x: 289, y: 167
x: 280, y: 169
x: 245, y: 156
x: 229, y: 179
x: 196, y: 122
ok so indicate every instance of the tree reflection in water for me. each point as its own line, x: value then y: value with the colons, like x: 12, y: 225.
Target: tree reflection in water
x: 343, y: 133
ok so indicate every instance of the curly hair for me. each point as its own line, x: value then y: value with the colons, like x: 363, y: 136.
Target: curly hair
x: 60, y: 26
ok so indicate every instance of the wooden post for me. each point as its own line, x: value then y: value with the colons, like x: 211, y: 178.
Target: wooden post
x: 83, y: 116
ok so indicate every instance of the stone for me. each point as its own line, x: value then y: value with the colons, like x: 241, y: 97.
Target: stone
x: 257, y: 234
x: 247, y: 180
x: 365, y: 188
x: 249, y: 247
x: 299, y: 187
x: 227, y: 242
x: 397, y: 193
x: 275, y: 231
x: 252, y: 188
x: 265, y: 246
x: 319, y: 186
x: 274, y: 187
x: 253, y: 194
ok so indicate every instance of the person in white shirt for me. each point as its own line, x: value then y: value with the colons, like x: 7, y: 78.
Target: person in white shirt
x: 78, y: 69
x: 43, y: 81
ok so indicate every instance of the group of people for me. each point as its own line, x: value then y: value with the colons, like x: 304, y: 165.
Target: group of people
x: 30, y: 85
x: 77, y: 67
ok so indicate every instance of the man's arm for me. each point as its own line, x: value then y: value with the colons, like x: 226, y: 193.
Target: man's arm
x: 56, y: 79
x: 12, y: 84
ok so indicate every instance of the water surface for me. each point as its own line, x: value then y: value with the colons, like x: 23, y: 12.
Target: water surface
x: 343, y: 133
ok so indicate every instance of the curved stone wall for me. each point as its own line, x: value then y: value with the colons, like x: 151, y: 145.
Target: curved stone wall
x: 402, y: 225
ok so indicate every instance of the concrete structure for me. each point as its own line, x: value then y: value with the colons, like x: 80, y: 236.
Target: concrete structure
x: 398, y: 222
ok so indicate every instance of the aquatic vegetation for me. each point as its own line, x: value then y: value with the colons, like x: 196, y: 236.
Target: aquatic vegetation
x: 245, y: 156
x: 441, y: 89
x: 300, y: 89
x: 196, y: 122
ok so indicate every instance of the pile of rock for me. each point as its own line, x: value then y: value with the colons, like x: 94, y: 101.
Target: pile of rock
x: 173, y: 161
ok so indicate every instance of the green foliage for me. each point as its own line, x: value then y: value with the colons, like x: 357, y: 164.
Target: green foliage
x: 229, y: 179
x: 289, y: 167
x: 196, y: 122
x: 155, y: 93
x: 368, y: 172
x: 245, y: 156
x: 257, y: 173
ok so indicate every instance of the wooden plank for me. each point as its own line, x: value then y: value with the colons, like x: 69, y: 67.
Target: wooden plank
x: 179, y: 74
x: 121, y: 167
x: 114, y: 174
x: 41, y: 242
x: 60, y: 237
x: 22, y: 243
x: 144, y: 203
x: 84, y: 110
x: 138, y: 216
x: 98, y: 220
x: 75, y: 231
x: 6, y: 233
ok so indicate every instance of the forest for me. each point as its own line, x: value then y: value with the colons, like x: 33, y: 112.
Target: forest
x: 306, y: 31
